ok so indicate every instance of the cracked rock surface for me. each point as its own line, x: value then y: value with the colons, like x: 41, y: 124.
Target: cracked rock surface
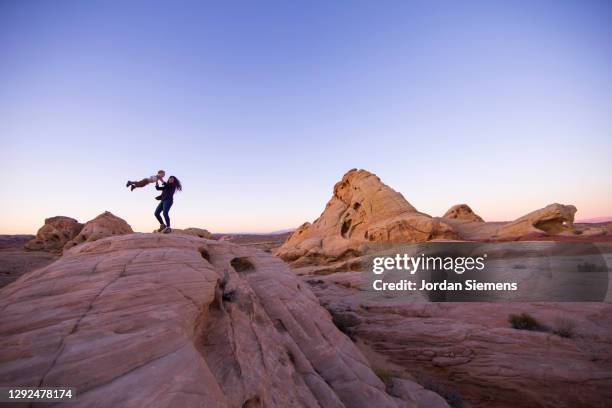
x: 175, y: 320
x: 468, y: 353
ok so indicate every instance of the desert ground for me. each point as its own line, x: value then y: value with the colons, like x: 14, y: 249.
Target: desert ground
x: 265, y: 242
x: 15, y: 260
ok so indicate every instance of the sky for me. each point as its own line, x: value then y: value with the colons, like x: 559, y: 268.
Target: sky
x: 260, y: 107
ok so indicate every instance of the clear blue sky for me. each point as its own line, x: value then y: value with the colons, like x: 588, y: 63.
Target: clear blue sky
x: 260, y: 107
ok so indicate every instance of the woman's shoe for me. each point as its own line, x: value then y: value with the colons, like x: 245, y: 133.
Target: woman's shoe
x: 128, y: 183
x: 167, y: 230
x: 161, y: 227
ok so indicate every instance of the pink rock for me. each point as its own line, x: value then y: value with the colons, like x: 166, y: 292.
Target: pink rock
x: 469, y: 352
x: 54, y: 234
x: 361, y: 210
x: 104, y: 225
x: 162, y: 320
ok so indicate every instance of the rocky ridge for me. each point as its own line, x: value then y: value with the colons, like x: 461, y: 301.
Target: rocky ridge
x: 176, y: 320
x: 363, y: 211
x: 552, y: 219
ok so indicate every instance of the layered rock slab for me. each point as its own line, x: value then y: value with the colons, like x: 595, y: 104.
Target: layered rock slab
x: 468, y: 352
x: 174, y: 320
x: 555, y: 221
x: 361, y: 210
x: 552, y: 219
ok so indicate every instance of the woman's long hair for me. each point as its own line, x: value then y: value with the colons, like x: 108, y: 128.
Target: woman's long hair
x: 177, y: 183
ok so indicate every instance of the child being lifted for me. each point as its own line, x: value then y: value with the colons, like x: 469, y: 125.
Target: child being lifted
x: 141, y: 183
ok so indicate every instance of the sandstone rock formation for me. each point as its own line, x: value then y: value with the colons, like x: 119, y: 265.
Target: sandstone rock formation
x: 56, y: 232
x: 362, y: 209
x: 553, y: 222
x: 197, y: 232
x: 552, y: 219
x: 462, y: 212
x: 104, y: 225
x: 172, y: 320
x: 468, y: 353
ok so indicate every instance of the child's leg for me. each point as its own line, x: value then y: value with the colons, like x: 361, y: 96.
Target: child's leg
x: 141, y: 183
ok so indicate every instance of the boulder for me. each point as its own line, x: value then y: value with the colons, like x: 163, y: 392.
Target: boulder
x: 552, y: 220
x: 361, y: 210
x: 462, y: 212
x: 170, y: 320
x: 104, y: 225
x: 197, y: 232
x: 56, y: 232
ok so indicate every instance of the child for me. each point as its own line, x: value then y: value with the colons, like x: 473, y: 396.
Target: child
x: 159, y: 177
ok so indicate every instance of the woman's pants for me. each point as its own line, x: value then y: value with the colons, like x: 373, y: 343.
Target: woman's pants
x: 165, y: 207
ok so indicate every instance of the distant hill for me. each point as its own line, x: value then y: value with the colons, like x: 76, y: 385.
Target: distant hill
x: 595, y: 220
x: 283, y: 231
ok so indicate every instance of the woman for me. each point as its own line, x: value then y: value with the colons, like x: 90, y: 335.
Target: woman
x: 166, y: 200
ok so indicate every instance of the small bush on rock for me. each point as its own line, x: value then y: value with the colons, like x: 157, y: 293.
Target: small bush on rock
x: 564, y: 328
x: 385, y: 376
x: 523, y: 321
x: 591, y: 267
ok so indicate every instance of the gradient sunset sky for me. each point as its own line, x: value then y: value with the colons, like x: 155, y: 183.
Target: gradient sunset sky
x: 260, y: 107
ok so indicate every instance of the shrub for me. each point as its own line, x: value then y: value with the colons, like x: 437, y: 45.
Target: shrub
x: 384, y: 375
x: 564, y: 328
x: 523, y: 321
x: 591, y: 267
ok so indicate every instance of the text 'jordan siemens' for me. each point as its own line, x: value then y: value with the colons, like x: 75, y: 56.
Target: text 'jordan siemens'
x: 413, y: 264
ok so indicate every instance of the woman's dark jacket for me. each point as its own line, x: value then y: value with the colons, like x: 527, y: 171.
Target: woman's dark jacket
x: 167, y: 190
